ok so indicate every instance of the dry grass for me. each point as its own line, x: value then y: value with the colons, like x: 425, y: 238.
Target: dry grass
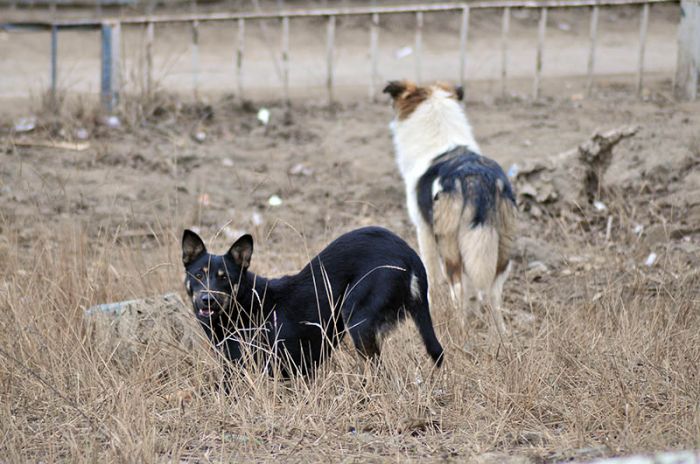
x: 610, y: 363
x: 603, y: 357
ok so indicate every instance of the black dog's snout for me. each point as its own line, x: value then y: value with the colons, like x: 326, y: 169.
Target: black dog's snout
x: 211, y: 300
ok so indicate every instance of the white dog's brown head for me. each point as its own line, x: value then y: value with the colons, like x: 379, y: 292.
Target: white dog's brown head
x: 407, y: 95
x: 429, y: 120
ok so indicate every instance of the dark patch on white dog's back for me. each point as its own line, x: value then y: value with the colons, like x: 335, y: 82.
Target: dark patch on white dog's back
x: 480, y: 179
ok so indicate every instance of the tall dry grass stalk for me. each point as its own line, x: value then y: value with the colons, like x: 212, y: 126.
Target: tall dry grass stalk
x: 610, y: 362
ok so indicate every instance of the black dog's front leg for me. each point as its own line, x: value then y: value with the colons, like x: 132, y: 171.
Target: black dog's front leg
x: 230, y: 347
x: 234, y: 365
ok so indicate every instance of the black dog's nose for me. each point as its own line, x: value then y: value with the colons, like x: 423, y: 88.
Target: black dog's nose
x: 207, y: 299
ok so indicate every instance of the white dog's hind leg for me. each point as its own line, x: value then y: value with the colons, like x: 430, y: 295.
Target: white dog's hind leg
x: 469, y: 302
x: 429, y: 253
x: 497, y: 288
x: 479, y: 248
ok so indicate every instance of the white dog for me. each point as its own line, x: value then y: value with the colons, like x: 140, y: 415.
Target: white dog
x: 461, y: 203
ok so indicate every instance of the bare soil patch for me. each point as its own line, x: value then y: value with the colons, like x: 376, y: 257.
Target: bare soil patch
x: 603, y: 353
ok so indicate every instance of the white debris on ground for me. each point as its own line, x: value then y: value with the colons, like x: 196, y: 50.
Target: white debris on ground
x: 112, y: 121
x: 674, y: 457
x: 264, y: 116
x: 274, y: 200
x: 577, y: 457
x: 25, y: 124
x: 300, y: 170
x: 403, y: 52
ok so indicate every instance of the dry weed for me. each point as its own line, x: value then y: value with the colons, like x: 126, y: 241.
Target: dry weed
x: 610, y: 363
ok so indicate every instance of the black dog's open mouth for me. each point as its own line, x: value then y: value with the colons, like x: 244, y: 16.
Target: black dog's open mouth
x: 207, y: 312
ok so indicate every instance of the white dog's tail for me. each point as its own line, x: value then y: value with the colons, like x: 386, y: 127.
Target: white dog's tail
x: 478, y: 246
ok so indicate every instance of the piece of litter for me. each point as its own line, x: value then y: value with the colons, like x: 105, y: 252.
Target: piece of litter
x: 403, y: 52
x: 300, y: 170
x: 25, y: 124
x: 78, y: 146
x: 638, y: 229
x: 228, y: 162
x: 538, y: 265
x: 599, y: 205
x: 200, y: 136
x: 112, y: 121
x: 274, y: 200
x: 256, y: 218
x: 651, y: 259
x: 513, y: 170
x: 81, y: 133
x: 203, y: 199
x: 608, y: 228
x: 264, y: 116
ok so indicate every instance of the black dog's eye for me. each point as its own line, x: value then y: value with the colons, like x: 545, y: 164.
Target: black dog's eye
x: 223, y: 276
x: 198, y: 276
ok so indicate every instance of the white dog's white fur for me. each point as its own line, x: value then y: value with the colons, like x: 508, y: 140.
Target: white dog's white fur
x: 434, y: 126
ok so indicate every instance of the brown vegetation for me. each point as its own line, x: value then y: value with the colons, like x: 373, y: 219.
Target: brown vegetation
x: 603, y: 356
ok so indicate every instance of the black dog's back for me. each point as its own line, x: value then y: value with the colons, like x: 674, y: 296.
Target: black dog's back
x: 364, y: 283
x: 377, y: 277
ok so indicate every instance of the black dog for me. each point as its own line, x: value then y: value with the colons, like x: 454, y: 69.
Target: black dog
x: 365, y: 282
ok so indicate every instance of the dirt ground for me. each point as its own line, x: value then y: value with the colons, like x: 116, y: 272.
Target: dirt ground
x: 332, y: 168
x: 103, y: 224
x: 603, y: 353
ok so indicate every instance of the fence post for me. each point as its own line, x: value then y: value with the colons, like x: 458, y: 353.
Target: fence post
x: 419, y: 45
x: 330, y: 52
x: 240, y: 46
x: 463, y: 32
x: 54, y: 62
x: 373, y: 46
x: 540, y: 45
x: 505, y: 27
x: 688, y: 64
x: 149, y: 58
x: 109, y: 88
x: 591, y: 51
x: 285, y: 59
x: 195, y: 57
x: 643, y: 27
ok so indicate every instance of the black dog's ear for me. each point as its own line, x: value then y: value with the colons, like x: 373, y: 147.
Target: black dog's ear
x: 192, y: 246
x: 459, y: 91
x: 242, y: 250
x: 395, y: 88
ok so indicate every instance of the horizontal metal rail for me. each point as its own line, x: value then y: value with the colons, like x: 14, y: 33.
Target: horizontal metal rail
x: 326, y: 12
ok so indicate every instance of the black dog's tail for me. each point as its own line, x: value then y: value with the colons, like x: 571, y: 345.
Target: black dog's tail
x: 419, y: 309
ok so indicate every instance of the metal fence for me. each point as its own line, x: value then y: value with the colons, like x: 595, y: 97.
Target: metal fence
x: 111, y: 29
